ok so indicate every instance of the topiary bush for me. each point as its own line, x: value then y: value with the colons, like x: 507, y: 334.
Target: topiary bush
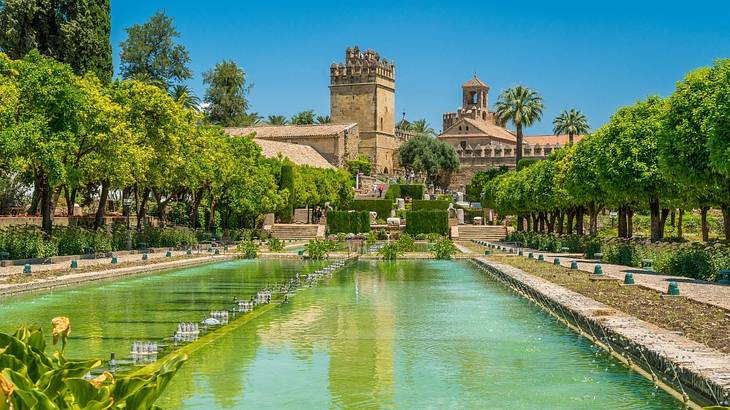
x: 348, y: 222
x: 381, y: 206
x: 419, y: 205
x: 430, y: 221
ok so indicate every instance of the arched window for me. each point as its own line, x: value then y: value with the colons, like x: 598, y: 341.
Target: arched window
x: 381, y: 123
x: 473, y: 97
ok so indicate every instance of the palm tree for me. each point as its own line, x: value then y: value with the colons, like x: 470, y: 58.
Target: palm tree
x: 277, y: 120
x: 521, y: 106
x: 421, y: 127
x: 323, y: 119
x: 571, y: 122
x: 183, y: 95
x: 303, y: 118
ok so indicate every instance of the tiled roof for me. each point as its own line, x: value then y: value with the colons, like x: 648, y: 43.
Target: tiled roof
x: 550, y: 139
x: 475, y: 82
x: 481, y: 129
x: 286, y: 131
x: 298, y: 154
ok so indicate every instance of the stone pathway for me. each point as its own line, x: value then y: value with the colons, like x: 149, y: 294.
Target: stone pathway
x: 65, y: 263
x: 701, y: 291
x: 80, y: 277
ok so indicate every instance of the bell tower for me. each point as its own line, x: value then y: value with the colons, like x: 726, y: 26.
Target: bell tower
x: 362, y: 90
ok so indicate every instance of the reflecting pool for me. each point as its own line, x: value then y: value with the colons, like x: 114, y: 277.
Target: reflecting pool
x: 408, y: 334
x: 109, y: 316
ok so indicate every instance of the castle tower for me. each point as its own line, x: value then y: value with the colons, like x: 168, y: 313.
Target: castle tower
x: 474, y: 104
x: 362, y: 90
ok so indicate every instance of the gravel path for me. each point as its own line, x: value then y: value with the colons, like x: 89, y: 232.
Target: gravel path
x: 705, y: 292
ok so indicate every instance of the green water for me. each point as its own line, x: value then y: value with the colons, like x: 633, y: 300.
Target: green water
x: 407, y: 334
x: 108, y: 317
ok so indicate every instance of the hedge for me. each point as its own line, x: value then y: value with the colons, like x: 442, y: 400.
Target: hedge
x: 421, y: 205
x: 427, y: 221
x: 286, y: 181
x: 381, y: 206
x: 415, y: 191
x: 348, y: 222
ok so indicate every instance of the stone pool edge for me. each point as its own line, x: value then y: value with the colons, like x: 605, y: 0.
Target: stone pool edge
x: 669, y: 359
x: 78, y: 278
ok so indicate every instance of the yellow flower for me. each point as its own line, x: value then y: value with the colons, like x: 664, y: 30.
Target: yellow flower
x: 99, y: 380
x: 61, y: 328
x: 6, y: 387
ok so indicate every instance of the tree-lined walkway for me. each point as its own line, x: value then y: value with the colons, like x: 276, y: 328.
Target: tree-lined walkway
x: 701, y: 291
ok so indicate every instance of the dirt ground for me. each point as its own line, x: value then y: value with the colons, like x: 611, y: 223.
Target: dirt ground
x: 703, y: 323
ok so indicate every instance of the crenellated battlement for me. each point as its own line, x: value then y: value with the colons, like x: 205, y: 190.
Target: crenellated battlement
x: 361, y: 67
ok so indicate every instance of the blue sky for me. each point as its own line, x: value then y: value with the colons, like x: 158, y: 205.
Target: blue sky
x: 591, y: 55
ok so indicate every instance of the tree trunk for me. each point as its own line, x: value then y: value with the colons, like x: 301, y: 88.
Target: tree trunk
x: 211, y: 215
x: 520, y: 226
x: 101, y: 209
x: 593, y: 210
x: 70, y: 196
x: 705, y: 227
x: 680, y: 219
x: 654, y: 212
x: 561, y: 222
x: 629, y: 222
x: 622, y: 223
x: 142, y: 211
x: 36, y: 197
x: 579, y: 220
x: 726, y: 220
x: 541, y: 218
x: 535, y: 224
x: 672, y: 219
x: 527, y: 220
x: 126, y: 193
x: 570, y: 138
x: 46, y: 204
x: 550, y: 221
x: 663, y: 222
x: 518, y: 154
x: 571, y: 214
x: 197, y: 198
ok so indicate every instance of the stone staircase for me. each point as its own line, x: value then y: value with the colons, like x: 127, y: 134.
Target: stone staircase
x: 297, y: 231
x: 366, y: 188
x: 484, y: 232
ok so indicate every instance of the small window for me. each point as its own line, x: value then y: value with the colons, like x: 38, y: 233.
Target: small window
x: 467, y: 128
x: 459, y: 127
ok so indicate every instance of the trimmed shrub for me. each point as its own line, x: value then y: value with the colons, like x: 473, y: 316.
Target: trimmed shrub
x: 428, y: 221
x: 421, y: 204
x: 348, y: 222
x: 286, y: 182
x: 381, y: 206
x: 415, y: 191
x: 444, y: 249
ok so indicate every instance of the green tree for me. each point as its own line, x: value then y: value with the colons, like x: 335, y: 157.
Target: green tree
x: 75, y: 32
x: 361, y: 163
x: 303, y: 118
x: 430, y: 155
x: 476, y: 186
x: 687, y: 146
x: 629, y: 143
x: 571, y: 122
x: 421, y: 127
x: 150, y: 53
x: 277, y: 120
x: 226, y: 95
x: 323, y: 119
x: 58, y: 120
x: 185, y: 97
x: 522, y: 107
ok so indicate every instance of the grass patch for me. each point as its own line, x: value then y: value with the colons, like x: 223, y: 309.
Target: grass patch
x: 706, y: 324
